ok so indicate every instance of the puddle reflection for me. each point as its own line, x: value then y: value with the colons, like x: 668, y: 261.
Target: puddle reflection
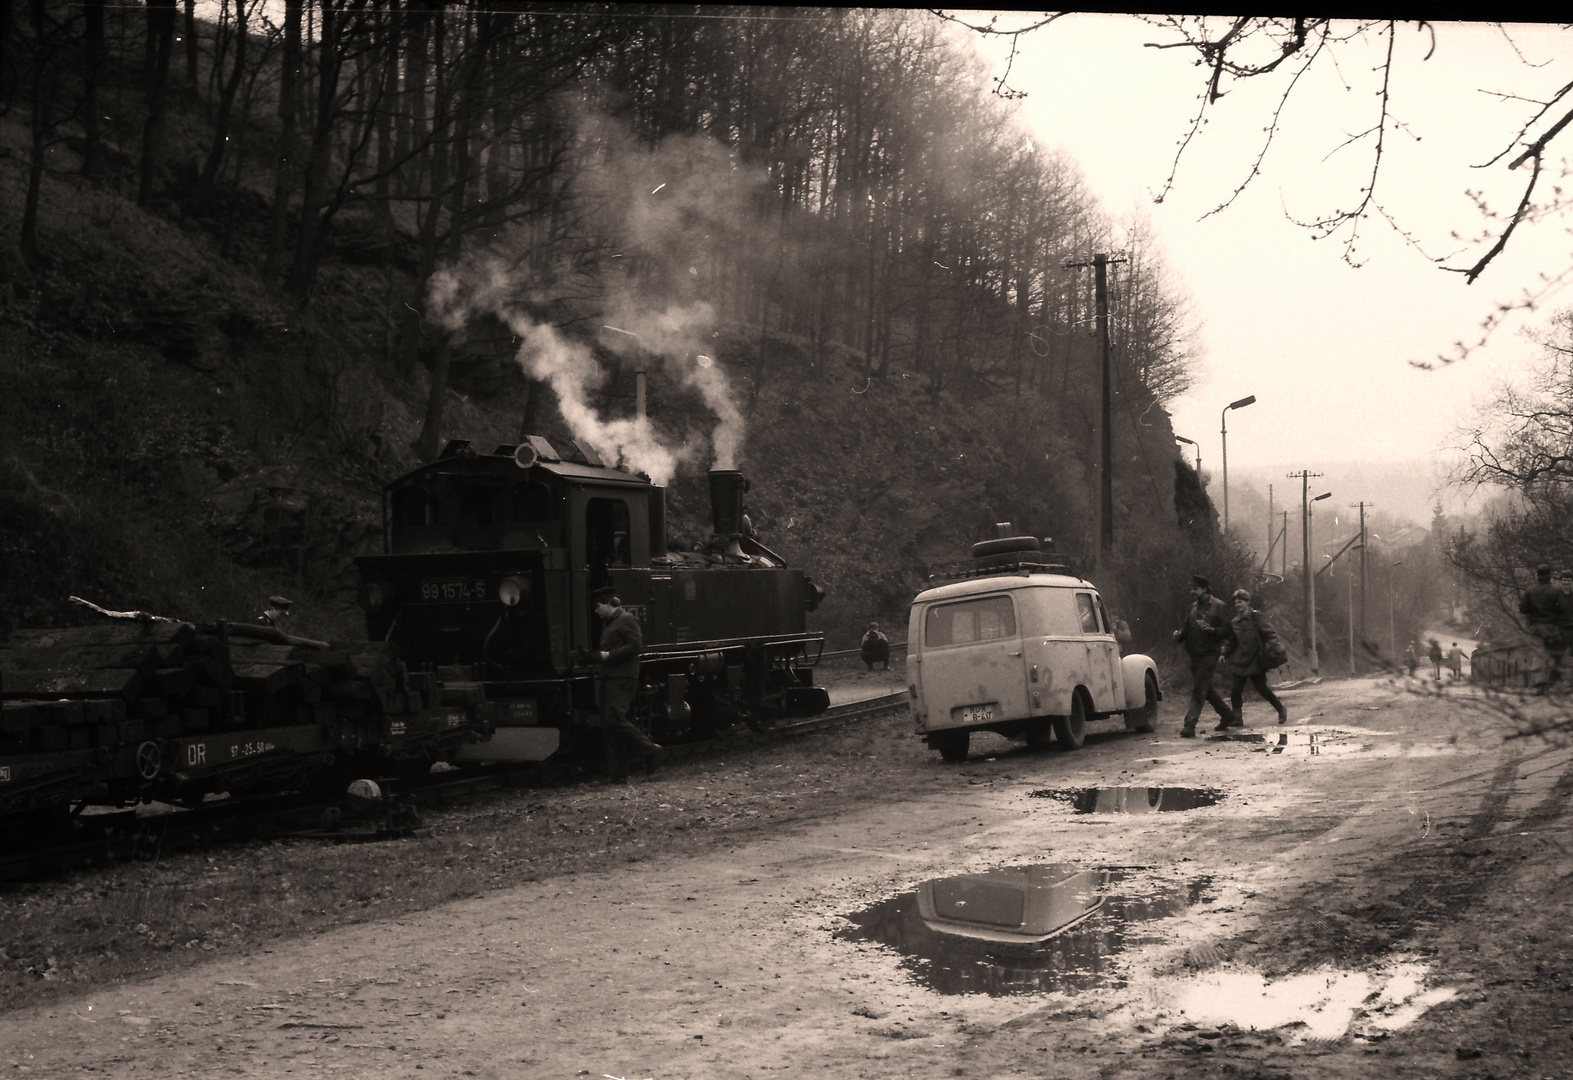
x: 1318, y: 742
x: 1020, y: 930
x: 1132, y: 800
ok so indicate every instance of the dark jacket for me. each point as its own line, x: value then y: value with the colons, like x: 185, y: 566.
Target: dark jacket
x: 1245, y: 648
x: 1545, y: 604
x: 875, y: 648
x: 621, y: 640
x: 1205, y: 626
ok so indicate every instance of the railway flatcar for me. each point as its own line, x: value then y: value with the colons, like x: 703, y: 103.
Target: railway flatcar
x: 488, y: 565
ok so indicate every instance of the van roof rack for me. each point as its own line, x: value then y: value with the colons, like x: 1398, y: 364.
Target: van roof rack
x: 1009, y: 564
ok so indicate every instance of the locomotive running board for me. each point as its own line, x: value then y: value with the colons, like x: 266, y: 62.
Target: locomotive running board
x: 512, y: 744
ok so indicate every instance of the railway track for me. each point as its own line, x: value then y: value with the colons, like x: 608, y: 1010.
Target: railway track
x: 83, y: 838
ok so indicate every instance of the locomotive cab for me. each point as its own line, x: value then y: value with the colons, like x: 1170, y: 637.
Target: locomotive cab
x: 488, y: 564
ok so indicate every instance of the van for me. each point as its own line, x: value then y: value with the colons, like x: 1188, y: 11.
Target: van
x: 1020, y: 646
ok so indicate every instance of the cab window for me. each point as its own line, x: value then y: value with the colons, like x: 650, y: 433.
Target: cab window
x: 606, y: 533
x: 412, y: 508
x: 1087, y: 614
x: 986, y: 618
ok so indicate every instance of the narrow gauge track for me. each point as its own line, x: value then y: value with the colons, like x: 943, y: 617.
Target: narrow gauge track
x: 101, y: 838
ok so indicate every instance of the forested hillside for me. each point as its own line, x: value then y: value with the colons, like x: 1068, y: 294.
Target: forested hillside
x: 258, y: 260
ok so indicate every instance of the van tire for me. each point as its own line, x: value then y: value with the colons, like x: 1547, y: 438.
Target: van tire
x: 952, y: 745
x: 1145, y: 719
x: 1071, y: 731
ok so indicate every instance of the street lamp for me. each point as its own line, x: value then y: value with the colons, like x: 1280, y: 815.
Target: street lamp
x: 1223, y: 430
x: 1193, y: 446
x: 1392, y: 636
x: 1310, y: 589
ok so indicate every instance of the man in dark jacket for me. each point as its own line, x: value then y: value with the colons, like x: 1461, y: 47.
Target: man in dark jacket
x: 875, y: 647
x: 618, y: 661
x: 1201, y: 634
x: 1245, y: 657
x: 1545, y: 608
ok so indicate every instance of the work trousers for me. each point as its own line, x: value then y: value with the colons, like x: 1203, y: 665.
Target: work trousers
x: 1203, y: 690
x: 1237, y: 694
x: 621, y: 738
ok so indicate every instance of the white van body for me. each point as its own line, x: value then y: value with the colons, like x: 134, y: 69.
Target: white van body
x: 1024, y: 654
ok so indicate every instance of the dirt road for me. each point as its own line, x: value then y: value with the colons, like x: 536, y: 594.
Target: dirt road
x: 1385, y: 889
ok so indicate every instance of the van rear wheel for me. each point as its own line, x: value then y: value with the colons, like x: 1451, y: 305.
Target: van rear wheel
x: 952, y: 745
x: 1145, y: 719
x: 1071, y: 731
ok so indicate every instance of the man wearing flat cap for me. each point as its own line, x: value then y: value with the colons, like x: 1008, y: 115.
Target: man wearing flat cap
x: 1545, y: 608
x: 1201, y: 634
x: 618, y: 663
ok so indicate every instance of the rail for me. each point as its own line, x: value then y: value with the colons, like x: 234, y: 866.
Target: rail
x: 894, y: 646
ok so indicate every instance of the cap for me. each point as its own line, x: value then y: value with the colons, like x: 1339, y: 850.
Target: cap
x: 280, y: 601
x: 606, y: 594
x: 1197, y: 579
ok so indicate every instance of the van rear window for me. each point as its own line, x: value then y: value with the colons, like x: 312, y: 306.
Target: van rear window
x: 984, y: 619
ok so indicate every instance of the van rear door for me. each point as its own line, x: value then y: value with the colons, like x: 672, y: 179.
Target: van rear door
x: 971, y: 667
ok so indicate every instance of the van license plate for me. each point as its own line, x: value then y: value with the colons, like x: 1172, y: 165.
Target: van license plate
x: 975, y: 714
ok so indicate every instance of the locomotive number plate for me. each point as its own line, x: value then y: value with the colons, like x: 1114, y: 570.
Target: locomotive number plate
x: 453, y: 590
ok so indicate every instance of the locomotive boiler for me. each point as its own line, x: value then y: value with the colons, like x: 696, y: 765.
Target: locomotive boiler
x: 489, y: 561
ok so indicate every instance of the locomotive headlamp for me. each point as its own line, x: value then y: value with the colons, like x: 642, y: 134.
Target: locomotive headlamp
x: 513, y: 591
x: 375, y: 596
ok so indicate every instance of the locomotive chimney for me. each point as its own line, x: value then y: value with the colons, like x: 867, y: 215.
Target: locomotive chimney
x: 726, y: 501
x: 657, y: 522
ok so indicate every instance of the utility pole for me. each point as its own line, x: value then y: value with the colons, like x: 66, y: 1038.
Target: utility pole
x: 1100, y: 267
x: 1285, y: 534
x: 1307, y: 573
x: 1362, y: 506
x: 1270, y: 524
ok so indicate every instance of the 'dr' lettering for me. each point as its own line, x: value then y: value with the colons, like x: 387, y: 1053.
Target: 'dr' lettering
x: 197, y: 754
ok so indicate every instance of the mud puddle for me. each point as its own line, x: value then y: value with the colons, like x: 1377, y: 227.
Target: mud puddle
x: 1132, y: 800
x: 1022, y: 929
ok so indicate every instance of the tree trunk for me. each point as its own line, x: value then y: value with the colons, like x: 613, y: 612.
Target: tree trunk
x: 226, y: 105
x: 92, y: 139
x: 288, y: 77
x: 191, y: 44
x: 160, y: 45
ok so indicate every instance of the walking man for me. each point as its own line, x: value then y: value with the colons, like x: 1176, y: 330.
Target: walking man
x: 618, y: 682
x: 1545, y: 608
x: 1200, y: 634
x: 1455, y: 662
x: 1251, y: 650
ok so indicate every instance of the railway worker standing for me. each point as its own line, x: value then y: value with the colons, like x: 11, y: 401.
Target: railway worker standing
x: 1205, y: 625
x: 618, y: 660
x: 1545, y: 608
x: 1250, y: 651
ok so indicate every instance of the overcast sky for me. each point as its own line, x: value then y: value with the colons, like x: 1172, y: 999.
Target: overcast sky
x: 1325, y: 348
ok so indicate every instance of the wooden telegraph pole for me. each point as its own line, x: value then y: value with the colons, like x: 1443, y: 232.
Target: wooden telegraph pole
x: 1362, y: 506
x: 1307, y: 571
x: 1100, y: 267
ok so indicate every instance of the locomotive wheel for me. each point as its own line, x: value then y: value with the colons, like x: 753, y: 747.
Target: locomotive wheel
x: 1146, y: 718
x: 758, y: 721
x: 150, y: 759
x: 952, y: 745
x: 1071, y: 731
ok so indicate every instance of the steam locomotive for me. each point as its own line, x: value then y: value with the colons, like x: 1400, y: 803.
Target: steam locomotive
x: 476, y: 613
x: 489, y: 561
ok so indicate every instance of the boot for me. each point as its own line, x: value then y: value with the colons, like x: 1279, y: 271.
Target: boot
x: 1188, y: 732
